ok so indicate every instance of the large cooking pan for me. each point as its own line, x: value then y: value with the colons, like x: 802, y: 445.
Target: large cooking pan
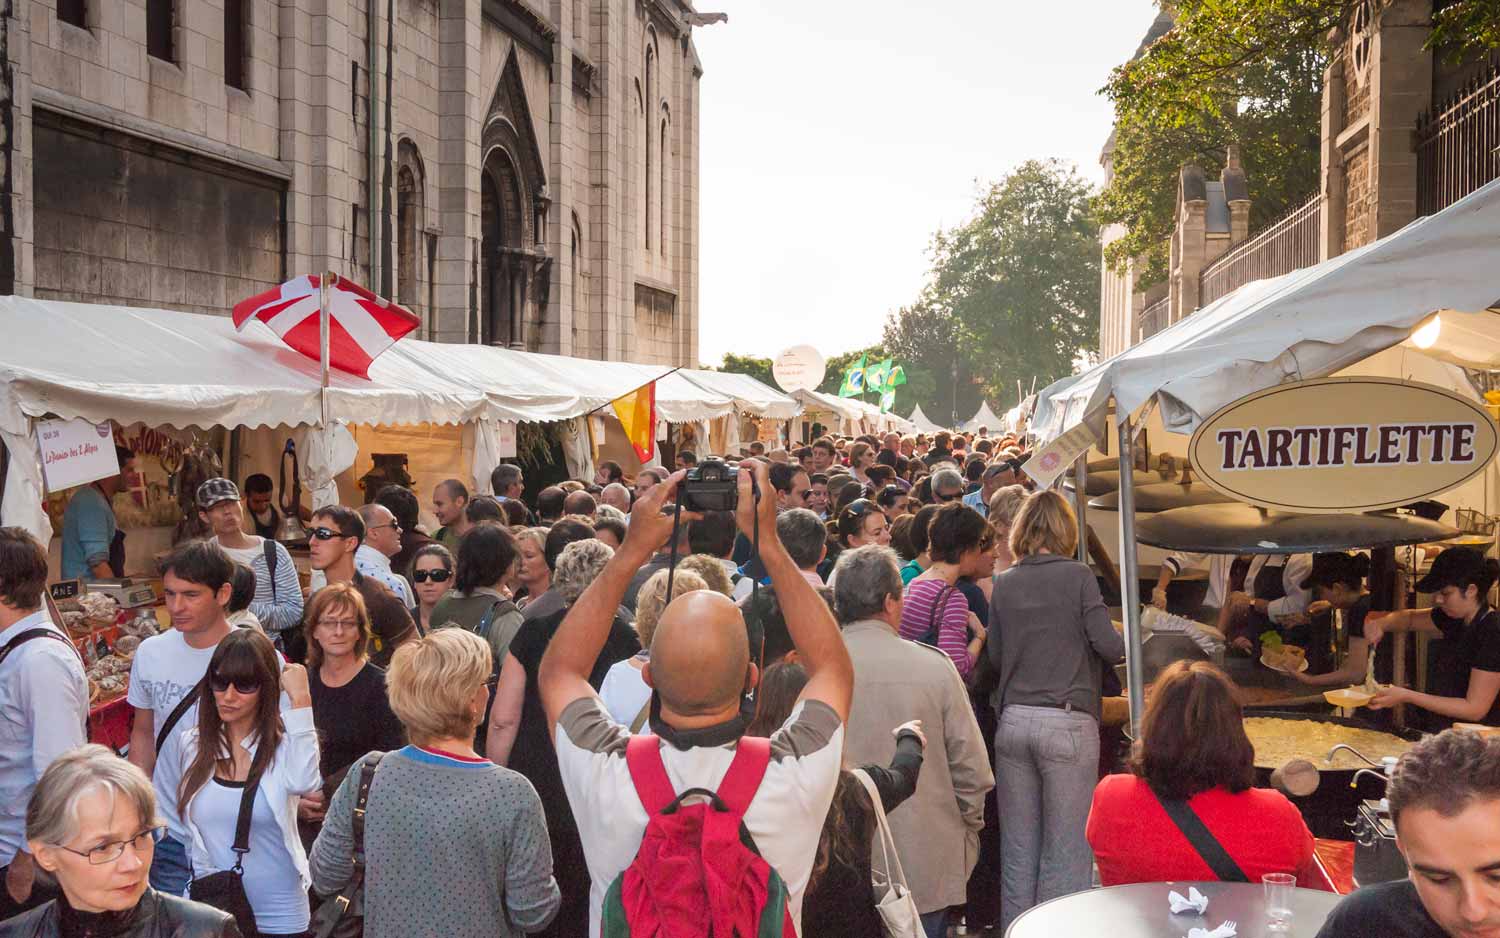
x: 1338, y: 796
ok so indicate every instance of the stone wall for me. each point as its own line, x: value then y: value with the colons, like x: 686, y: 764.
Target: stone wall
x: 1357, y: 199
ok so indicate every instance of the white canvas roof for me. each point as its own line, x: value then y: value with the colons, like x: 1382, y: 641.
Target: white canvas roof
x: 922, y: 422
x: 1307, y: 324
x: 984, y: 417
x: 749, y: 395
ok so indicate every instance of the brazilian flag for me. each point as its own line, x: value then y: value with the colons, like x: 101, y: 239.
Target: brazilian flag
x: 877, y: 375
x: 887, y: 400
x: 896, y: 378
x: 854, y: 380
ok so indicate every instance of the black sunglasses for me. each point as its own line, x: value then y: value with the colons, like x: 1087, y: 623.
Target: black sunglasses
x: 436, y: 576
x: 326, y: 534
x: 219, y: 684
x: 860, y: 507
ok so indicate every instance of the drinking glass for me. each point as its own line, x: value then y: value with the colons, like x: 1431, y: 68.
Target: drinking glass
x: 1279, y: 888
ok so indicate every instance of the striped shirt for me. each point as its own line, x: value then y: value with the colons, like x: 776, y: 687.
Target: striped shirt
x: 918, y: 617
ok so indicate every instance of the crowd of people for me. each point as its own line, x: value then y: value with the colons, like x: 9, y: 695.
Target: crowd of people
x: 590, y: 711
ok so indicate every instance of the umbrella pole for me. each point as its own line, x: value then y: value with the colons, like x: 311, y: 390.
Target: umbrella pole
x: 1130, y: 578
x: 1081, y: 504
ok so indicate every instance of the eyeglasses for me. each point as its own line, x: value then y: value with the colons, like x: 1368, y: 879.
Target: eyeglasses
x: 436, y: 576
x: 326, y: 534
x: 377, y: 527
x: 337, y: 625
x: 219, y: 684
x: 112, y: 851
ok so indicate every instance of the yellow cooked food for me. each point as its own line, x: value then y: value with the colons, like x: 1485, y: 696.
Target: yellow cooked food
x: 1278, y: 741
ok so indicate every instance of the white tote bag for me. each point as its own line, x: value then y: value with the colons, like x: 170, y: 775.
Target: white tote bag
x: 898, y: 910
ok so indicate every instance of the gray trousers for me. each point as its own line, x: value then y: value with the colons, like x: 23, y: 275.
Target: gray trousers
x: 1046, y: 767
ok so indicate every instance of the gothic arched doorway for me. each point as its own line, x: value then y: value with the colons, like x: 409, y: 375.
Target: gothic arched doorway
x: 503, y: 280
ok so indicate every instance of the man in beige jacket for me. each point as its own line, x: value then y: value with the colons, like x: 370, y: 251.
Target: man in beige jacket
x: 937, y: 830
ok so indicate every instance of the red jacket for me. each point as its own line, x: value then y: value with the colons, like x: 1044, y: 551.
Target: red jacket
x: 1135, y: 841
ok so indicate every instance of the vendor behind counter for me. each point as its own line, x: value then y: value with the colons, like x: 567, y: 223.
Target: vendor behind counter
x: 1463, y: 671
x: 1248, y: 594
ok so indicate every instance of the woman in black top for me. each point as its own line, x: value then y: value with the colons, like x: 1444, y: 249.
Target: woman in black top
x: 840, y: 899
x: 518, y: 737
x: 1464, y: 667
x: 350, y: 708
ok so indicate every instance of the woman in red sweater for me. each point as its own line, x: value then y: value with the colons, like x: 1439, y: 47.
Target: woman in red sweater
x: 1193, y: 751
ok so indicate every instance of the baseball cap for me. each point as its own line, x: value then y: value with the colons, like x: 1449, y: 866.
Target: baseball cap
x: 213, y: 491
x: 1456, y: 566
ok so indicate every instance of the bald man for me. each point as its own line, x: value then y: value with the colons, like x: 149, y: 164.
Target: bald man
x: 701, y: 670
x: 616, y: 495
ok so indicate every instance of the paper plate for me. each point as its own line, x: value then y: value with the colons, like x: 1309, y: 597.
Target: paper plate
x: 1282, y: 670
x: 1348, y: 697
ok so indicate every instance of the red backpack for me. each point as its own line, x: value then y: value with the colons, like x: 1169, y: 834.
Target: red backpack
x: 697, y: 873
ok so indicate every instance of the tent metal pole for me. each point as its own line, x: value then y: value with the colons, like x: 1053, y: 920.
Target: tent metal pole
x: 1081, y: 504
x: 1130, y: 579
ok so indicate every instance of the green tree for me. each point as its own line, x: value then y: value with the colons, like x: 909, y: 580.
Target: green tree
x: 1020, y: 279
x: 924, y: 337
x: 757, y: 368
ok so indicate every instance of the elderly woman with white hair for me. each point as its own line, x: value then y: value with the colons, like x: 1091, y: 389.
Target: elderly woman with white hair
x: 92, y: 823
x: 518, y: 734
x: 454, y: 845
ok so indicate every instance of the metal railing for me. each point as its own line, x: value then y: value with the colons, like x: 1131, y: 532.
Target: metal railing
x: 1284, y: 246
x: 1153, y: 319
x: 1458, y: 143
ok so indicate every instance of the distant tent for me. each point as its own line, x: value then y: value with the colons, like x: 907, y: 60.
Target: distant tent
x: 984, y: 418
x: 922, y: 422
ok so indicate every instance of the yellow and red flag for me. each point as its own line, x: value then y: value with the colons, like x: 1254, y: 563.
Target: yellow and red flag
x: 637, y: 413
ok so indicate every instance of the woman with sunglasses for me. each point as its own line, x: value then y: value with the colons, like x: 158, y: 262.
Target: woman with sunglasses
x: 92, y: 823
x: 243, y: 740
x: 350, y: 708
x: 431, y: 576
x: 481, y: 600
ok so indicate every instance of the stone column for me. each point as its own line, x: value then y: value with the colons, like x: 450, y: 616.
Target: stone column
x: 460, y: 106
x: 17, y: 268
x: 1189, y: 243
x: 1335, y: 104
x: 1401, y: 89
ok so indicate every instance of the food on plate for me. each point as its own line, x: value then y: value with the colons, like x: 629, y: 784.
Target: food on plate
x: 1353, y: 696
x: 1277, y: 741
x: 1283, y: 657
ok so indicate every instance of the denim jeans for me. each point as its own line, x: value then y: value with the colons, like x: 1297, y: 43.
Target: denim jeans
x: 1046, y: 767
x: 170, y: 870
x: 935, y: 924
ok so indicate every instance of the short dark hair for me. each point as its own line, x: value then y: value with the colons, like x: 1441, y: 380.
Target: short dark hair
x: 485, y: 555
x: 688, y: 456
x: 803, y: 535
x: 955, y: 530
x: 430, y: 550
x: 243, y: 589
x: 921, y: 526
x: 613, y: 526
x: 783, y: 474
x: 974, y: 468
x: 612, y: 470
x: 202, y: 562
x: 580, y: 503
x: 517, y: 515
x: 504, y: 476
x: 713, y: 534
x: 880, y: 475
x: 1337, y: 567
x: 401, y: 502
x: 124, y: 455
x: 803, y: 453
x: 561, y: 535
x: 549, y: 502
x: 258, y: 483
x: 943, y: 440
x: 346, y: 519
x: 825, y: 443
x: 887, y: 458
x: 901, y: 537
x: 818, y: 478
x: 1446, y: 773
x: 484, y: 508
x: 455, y: 488
x: 1193, y: 734
x: 23, y: 569
x: 766, y: 623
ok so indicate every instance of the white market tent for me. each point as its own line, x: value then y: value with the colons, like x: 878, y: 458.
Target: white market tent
x: 1310, y: 323
x: 162, y: 368
x: 922, y: 423
x: 984, y: 417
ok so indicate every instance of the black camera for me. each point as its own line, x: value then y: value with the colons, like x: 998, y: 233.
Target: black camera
x: 712, y: 485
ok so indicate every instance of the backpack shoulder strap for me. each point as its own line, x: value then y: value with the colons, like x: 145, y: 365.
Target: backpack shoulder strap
x: 176, y: 715
x: 27, y: 636
x: 241, y: 845
x: 752, y: 755
x: 649, y: 773
x: 269, y: 546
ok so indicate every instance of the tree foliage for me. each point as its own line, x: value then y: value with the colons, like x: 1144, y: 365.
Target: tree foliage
x: 941, y: 376
x: 757, y: 368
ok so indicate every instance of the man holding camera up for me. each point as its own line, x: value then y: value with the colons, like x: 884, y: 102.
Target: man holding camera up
x: 701, y: 669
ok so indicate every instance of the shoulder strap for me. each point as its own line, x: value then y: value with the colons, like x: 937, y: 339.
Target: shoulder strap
x: 1203, y: 841
x: 182, y: 707
x: 270, y: 548
x: 649, y: 773
x: 752, y: 755
x: 366, y: 779
x: 486, y: 621
x: 938, y: 606
x: 891, y: 858
x: 241, y: 844
x: 27, y: 636
x: 641, y: 718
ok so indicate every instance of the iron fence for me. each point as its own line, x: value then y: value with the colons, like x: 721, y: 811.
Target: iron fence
x: 1458, y: 143
x: 1288, y: 244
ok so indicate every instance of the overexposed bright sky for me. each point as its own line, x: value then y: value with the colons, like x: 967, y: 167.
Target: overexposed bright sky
x: 838, y: 135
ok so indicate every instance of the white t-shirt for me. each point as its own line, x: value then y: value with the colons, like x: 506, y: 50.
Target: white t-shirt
x: 624, y: 692
x: 272, y: 883
x: 244, y: 555
x: 785, y: 818
x: 164, y: 670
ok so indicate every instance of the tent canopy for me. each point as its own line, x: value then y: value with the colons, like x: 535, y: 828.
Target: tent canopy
x: 922, y: 422
x: 749, y: 395
x: 984, y: 417
x: 1307, y: 324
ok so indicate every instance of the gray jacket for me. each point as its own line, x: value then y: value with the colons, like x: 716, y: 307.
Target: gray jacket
x: 937, y: 829
x: 1050, y: 635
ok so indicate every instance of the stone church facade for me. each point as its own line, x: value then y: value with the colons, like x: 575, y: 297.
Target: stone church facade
x: 516, y: 172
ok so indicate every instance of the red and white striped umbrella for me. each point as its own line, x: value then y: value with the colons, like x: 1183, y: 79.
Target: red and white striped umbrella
x: 360, y: 324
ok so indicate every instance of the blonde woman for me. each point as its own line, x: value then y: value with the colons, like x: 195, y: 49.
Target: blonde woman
x: 709, y: 568
x: 625, y: 693
x: 532, y: 573
x: 454, y: 844
x: 1005, y: 504
x: 1057, y: 639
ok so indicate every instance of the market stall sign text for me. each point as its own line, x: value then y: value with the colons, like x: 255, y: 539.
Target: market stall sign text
x: 1343, y: 444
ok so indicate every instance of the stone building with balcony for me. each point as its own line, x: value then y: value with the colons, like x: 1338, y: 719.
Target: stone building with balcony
x: 516, y: 172
x: 1405, y: 133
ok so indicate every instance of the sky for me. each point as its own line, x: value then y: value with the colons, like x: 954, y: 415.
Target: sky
x: 838, y: 135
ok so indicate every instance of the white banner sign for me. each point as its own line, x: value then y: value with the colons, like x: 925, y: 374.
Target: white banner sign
x: 506, y: 432
x: 1054, y: 458
x: 75, y: 452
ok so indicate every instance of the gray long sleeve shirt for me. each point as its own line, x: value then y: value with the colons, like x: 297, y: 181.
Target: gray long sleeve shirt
x: 1050, y: 635
x: 452, y: 848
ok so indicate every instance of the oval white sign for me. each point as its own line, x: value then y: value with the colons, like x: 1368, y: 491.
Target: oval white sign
x: 799, y: 367
x: 1343, y: 444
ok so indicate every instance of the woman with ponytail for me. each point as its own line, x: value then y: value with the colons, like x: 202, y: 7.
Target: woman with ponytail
x: 1337, y: 581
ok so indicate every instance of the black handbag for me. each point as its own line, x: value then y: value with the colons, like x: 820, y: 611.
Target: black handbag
x: 343, y: 916
x: 225, y: 890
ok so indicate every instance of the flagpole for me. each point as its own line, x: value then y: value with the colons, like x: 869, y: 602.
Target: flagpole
x: 633, y: 390
x: 323, y: 330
